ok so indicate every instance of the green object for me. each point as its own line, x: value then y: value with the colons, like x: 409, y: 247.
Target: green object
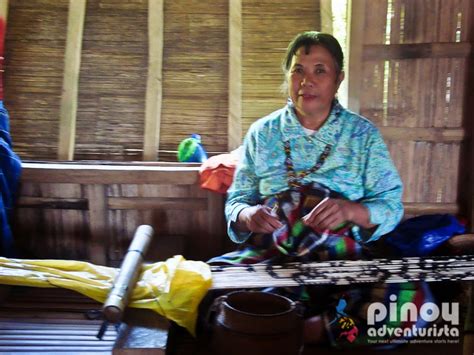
x: 297, y: 228
x: 191, y: 150
x: 186, y: 149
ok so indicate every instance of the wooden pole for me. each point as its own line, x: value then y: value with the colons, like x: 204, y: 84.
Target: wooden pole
x: 154, y: 86
x: 234, y: 123
x: 326, y: 16
x: 72, y: 64
x: 355, y: 24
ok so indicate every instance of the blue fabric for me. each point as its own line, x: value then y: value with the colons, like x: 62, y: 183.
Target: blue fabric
x: 359, y: 166
x: 10, y: 170
x: 421, y: 235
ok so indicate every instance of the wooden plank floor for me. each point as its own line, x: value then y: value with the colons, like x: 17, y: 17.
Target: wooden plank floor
x: 34, y: 320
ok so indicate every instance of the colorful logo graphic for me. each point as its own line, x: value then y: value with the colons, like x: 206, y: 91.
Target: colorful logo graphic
x: 346, y: 324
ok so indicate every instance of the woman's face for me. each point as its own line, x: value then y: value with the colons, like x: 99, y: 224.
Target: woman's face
x: 313, y: 83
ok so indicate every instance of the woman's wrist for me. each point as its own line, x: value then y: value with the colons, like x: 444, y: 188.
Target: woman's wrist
x: 358, y: 214
x: 241, y: 221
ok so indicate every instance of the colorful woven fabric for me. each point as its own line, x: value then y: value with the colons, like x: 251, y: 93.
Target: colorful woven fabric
x: 342, y: 308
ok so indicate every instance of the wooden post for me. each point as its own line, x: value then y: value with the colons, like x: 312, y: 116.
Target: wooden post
x: 154, y: 90
x: 72, y: 64
x: 234, y: 122
x: 326, y: 16
x: 469, y: 112
x: 355, y: 24
x: 98, y: 220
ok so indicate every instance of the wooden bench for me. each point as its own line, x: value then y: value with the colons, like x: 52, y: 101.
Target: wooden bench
x: 90, y: 211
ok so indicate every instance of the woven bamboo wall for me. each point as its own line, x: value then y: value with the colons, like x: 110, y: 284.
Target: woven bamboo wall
x: 413, y: 86
x: 34, y: 54
x: 267, y: 28
x: 195, y: 70
x: 111, y: 102
x: 113, y: 72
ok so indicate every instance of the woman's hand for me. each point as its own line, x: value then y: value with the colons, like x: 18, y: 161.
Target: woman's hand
x: 334, y: 212
x: 258, y: 219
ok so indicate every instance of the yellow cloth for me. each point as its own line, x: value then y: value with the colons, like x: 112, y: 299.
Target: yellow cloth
x: 173, y: 288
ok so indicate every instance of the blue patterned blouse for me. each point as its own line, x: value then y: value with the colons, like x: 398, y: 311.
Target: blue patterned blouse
x: 359, y: 166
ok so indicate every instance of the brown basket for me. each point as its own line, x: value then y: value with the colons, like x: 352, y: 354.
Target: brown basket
x: 254, y: 322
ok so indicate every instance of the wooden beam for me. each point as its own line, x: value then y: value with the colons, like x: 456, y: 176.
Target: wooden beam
x: 430, y: 208
x: 438, y: 135
x: 52, y: 203
x: 234, y: 120
x: 154, y: 86
x: 417, y: 50
x: 325, y: 8
x: 355, y: 37
x: 108, y: 174
x: 150, y: 203
x: 98, y: 220
x: 72, y: 64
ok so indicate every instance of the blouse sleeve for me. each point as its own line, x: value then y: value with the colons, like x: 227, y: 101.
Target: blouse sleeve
x: 383, y: 188
x: 244, y: 190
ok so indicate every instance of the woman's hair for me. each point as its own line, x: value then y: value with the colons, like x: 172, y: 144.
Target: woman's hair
x: 314, y: 38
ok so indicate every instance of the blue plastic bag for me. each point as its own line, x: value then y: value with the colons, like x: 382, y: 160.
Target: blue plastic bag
x: 421, y: 235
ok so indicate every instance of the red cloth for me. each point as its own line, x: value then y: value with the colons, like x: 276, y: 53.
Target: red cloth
x: 217, y: 172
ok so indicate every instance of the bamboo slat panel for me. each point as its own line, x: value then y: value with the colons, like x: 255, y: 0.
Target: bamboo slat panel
x: 267, y: 28
x: 36, y: 320
x: 34, y: 63
x: 195, y: 71
x: 111, y: 110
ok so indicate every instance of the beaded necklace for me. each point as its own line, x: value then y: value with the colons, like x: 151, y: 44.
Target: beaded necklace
x: 294, y: 179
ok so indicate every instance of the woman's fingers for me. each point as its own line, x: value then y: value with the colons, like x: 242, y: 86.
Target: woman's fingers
x: 326, y: 216
x: 262, y: 220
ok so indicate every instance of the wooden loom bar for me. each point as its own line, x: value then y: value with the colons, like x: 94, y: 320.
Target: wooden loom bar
x: 154, y: 89
x: 440, y: 135
x: 147, y: 203
x: 72, y: 63
x: 108, y: 174
x: 345, y: 272
x: 53, y: 203
x: 427, y: 208
x: 417, y: 50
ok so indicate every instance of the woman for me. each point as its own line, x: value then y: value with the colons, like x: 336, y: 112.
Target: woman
x: 316, y: 181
